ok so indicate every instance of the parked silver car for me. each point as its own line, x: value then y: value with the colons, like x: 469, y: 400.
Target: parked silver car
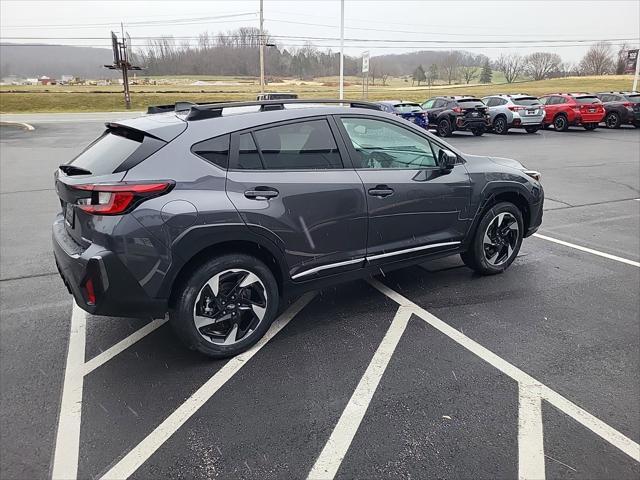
x: 514, y: 111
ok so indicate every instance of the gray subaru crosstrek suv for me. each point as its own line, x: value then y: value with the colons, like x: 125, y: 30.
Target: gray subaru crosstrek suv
x: 215, y: 213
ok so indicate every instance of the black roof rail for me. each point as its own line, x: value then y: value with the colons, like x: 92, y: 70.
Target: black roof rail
x: 213, y: 110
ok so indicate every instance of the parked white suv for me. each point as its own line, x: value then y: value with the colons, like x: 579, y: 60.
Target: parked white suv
x: 514, y: 111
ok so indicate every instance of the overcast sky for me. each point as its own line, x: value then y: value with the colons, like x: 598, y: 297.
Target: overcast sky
x: 375, y: 25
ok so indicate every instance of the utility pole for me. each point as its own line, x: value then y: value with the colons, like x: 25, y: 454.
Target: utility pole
x: 261, y: 48
x: 635, y: 78
x: 341, y: 49
x: 121, y: 62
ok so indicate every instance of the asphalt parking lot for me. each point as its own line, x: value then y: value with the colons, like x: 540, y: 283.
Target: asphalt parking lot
x: 429, y: 372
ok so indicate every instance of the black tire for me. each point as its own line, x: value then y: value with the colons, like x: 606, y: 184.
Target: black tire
x: 476, y: 256
x: 590, y: 126
x: 545, y: 126
x: 500, y: 126
x: 532, y: 129
x: 612, y: 120
x: 560, y: 123
x: 477, y: 132
x: 444, y: 128
x: 182, y: 314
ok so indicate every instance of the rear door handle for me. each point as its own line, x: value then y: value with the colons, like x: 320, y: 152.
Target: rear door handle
x: 260, y: 194
x: 381, y: 191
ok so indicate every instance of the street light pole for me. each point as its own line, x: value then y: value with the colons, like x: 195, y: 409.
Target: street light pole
x: 341, y: 49
x: 261, y: 49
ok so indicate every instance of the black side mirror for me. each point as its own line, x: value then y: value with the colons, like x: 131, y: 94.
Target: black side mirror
x: 447, y: 160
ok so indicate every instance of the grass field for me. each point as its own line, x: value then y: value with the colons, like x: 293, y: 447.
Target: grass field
x: 58, y: 98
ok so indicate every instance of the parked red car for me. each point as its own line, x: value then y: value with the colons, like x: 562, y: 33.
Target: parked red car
x: 563, y: 110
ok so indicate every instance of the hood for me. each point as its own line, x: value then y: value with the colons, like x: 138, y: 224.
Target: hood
x: 507, y: 162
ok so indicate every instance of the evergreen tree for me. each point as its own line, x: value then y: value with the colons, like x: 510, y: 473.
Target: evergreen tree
x: 486, y: 74
x: 419, y: 75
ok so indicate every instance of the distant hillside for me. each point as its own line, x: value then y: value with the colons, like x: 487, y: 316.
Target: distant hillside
x: 406, y: 63
x: 54, y: 61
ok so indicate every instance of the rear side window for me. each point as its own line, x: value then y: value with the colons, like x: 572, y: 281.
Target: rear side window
x: 118, y: 149
x: 248, y: 156
x: 587, y: 100
x: 303, y: 145
x: 526, y: 101
x: 214, y: 150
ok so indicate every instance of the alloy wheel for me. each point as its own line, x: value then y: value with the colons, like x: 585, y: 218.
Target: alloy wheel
x: 499, y: 125
x: 612, y: 120
x: 230, y: 306
x: 559, y: 123
x: 500, y: 239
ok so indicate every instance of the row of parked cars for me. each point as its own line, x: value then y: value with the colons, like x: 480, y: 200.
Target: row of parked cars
x: 501, y: 112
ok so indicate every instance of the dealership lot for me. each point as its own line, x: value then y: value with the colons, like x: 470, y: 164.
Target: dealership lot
x: 440, y: 373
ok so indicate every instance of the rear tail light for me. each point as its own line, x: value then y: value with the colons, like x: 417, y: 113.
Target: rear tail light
x: 457, y: 110
x: 516, y: 108
x: 627, y: 104
x: 118, y: 198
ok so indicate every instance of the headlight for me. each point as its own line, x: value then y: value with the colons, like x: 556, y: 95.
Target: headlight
x: 533, y: 174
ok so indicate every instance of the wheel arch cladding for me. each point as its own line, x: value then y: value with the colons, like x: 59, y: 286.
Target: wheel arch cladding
x: 201, y: 249
x: 517, y: 199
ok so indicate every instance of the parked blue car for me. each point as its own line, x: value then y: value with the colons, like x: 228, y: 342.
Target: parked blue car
x: 407, y: 110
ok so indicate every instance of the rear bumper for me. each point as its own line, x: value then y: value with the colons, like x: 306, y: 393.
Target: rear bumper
x: 582, y: 118
x: 117, y: 292
x: 526, y: 120
x: 471, y: 123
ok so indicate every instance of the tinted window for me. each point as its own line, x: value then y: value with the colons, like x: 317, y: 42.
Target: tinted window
x: 489, y: 101
x: 501, y: 101
x: 304, y: 145
x: 544, y: 100
x: 526, y: 101
x: 587, y: 100
x: 248, y: 157
x: 440, y: 102
x: 215, y: 150
x: 633, y: 98
x: 384, y: 145
x: 408, y: 108
x: 470, y: 103
x: 110, y: 150
x: 429, y: 103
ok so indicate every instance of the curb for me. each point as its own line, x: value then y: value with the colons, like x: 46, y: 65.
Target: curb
x: 22, y: 125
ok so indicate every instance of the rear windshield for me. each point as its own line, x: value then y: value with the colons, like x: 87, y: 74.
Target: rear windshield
x: 588, y: 99
x: 633, y: 98
x: 526, y: 101
x: 471, y: 103
x: 118, y: 149
x: 408, y: 108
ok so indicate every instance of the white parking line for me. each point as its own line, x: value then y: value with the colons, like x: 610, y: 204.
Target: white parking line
x: 589, y: 250
x: 147, y: 447
x: 530, y: 436
x: 22, y: 125
x: 334, y: 451
x: 122, y: 345
x: 606, y: 432
x: 65, y: 458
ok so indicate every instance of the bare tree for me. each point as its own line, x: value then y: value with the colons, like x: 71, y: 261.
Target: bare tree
x: 621, y: 59
x: 598, y: 60
x: 511, y: 65
x: 449, y: 65
x: 469, y: 72
x: 541, y: 65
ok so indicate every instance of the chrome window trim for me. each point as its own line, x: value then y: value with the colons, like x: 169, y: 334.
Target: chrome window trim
x: 373, y: 257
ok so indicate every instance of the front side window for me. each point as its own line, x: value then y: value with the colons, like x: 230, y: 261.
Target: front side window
x: 303, y: 145
x: 380, y: 144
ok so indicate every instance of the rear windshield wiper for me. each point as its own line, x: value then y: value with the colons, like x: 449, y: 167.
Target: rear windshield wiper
x: 73, y: 170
